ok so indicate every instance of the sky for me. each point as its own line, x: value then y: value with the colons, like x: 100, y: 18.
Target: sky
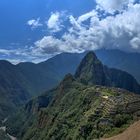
x: 33, y: 30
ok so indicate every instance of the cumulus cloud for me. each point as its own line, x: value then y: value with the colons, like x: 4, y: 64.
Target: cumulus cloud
x: 86, y: 16
x: 48, y: 44
x: 34, y: 23
x: 121, y: 31
x: 54, y: 22
x: 90, y: 31
x: 111, y: 6
x: 135, y: 42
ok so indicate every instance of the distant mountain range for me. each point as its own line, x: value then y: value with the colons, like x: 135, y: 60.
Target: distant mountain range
x: 89, y: 105
x: 18, y: 83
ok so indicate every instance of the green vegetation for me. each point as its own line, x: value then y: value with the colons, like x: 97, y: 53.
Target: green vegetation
x: 79, y: 112
x: 81, y: 107
x: 20, y: 82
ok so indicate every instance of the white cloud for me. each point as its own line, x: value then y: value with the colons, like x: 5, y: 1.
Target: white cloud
x: 121, y: 31
x: 135, y: 42
x: 24, y: 54
x: 111, y: 6
x: 54, y: 22
x: 48, y: 44
x: 74, y: 22
x: 86, y: 16
x: 34, y: 23
x: 5, y: 51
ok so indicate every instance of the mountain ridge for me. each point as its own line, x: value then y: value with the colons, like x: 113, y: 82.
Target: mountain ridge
x: 91, y: 71
x: 32, y: 79
x: 75, y: 110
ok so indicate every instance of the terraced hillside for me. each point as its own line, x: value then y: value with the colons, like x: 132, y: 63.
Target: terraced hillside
x: 78, y: 111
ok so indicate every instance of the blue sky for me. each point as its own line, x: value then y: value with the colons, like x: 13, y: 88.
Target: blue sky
x: 15, y: 13
x: 34, y: 30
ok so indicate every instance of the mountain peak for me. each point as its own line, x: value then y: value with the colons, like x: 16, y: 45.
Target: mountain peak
x: 90, y: 70
x: 68, y: 79
x: 91, y: 58
x: 91, y: 55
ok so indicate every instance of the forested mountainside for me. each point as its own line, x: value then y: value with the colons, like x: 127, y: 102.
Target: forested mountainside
x: 18, y: 83
x: 83, y: 106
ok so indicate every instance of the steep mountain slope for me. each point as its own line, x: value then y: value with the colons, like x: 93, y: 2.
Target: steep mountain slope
x: 80, y: 110
x: 46, y: 75
x: 128, y: 62
x: 92, y: 72
x: 13, y: 89
x: 40, y: 79
x: 67, y: 63
x: 19, y: 82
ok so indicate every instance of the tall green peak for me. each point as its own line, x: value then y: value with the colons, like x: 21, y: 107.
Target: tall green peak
x: 91, y: 56
x: 90, y: 59
x: 90, y: 70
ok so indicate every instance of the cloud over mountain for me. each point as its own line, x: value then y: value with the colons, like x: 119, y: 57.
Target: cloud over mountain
x: 111, y: 6
x: 97, y: 29
x: 111, y: 24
